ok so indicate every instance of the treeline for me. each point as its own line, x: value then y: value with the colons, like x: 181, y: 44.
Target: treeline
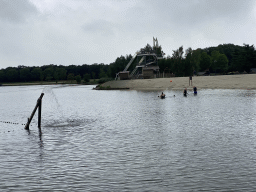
x: 221, y: 59
x: 59, y: 72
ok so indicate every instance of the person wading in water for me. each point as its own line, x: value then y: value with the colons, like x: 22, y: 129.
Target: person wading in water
x: 162, y: 96
x: 185, y: 92
x: 195, y: 90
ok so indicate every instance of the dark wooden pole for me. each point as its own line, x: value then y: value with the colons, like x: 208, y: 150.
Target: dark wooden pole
x: 38, y: 104
x: 39, y: 114
x: 31, y: 117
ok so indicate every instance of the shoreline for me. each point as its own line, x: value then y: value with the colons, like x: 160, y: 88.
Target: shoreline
x: 44, y: 83
x: 241, y: 81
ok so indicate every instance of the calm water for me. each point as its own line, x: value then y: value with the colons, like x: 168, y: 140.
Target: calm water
x: 127, y: 140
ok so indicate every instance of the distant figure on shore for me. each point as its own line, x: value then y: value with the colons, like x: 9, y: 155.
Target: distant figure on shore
x: 190, y: 80
x: 195, y: 90
x: 162, y: 96
x: 185, y: 92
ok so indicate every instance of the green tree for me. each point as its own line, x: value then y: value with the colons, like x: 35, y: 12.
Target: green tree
x: 48, y: 73
x: 59, y: 73
x: 237, y: 60
x: 205, y: 61
x: 158, y: 51
x: 12, y: 74
x: 78, y: 79
x: 62, y: 73
x: 25, y: 74
x: 117, y: 66
x: 188, y: 63
x: 195, y: 59
x: 56, y: 75
x: 147, y: 49
x: 178, y: 62
x: 249, y: 57
x: 87, y: 77
x: 93, y: 75
x: 222, y: 63
x: 214, y: 60
x: 71, y: 77
x: 2, y: 76
x: 219, y: 61
x: 162, y: 64
x: 96, y: 69
x: 37, y: 74
x: 102, y: 73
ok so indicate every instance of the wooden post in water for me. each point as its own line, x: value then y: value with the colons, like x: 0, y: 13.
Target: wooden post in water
x: 39, y: 106
x: 39, y: 114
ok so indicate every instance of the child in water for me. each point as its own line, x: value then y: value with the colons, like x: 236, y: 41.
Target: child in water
x: 162, y: 95
x: 185, y: 92
x: 195, y: 90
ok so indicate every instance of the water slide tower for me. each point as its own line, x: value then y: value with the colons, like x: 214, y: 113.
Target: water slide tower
x: 145, y: 62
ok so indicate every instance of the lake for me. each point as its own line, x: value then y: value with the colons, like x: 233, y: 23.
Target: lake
x: 126, y: 140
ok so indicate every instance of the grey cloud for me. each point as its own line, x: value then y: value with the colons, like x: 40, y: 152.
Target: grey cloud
x: 74, y: 32
x: 15, y: 10
x: 99, y: 27
x: 191, y: 13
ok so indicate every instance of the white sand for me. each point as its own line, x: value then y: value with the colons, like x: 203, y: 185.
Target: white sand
x: 245, y: 81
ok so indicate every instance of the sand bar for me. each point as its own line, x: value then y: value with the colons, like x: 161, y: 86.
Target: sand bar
x: 243, y: 81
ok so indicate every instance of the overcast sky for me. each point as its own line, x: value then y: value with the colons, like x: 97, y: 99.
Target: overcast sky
x: 65, y: 32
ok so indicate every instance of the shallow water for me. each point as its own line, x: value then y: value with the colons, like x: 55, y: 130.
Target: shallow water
x: 127, y: 140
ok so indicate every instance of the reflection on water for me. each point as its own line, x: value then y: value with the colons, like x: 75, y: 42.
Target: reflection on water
x: 127, y: 140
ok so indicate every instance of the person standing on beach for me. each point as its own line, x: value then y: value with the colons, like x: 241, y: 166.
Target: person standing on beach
x: 190, y: 79
x: 185, y: 92
x: 195, y: 90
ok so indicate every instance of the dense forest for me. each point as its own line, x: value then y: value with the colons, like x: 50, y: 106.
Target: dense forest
x: 223, y: 59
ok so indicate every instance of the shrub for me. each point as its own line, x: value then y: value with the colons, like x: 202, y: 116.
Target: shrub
x: 87, y: 77
x: 78, y: 79
x: 104, y: 80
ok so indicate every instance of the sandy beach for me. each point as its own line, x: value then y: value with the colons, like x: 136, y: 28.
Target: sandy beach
x: 243, y: 81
